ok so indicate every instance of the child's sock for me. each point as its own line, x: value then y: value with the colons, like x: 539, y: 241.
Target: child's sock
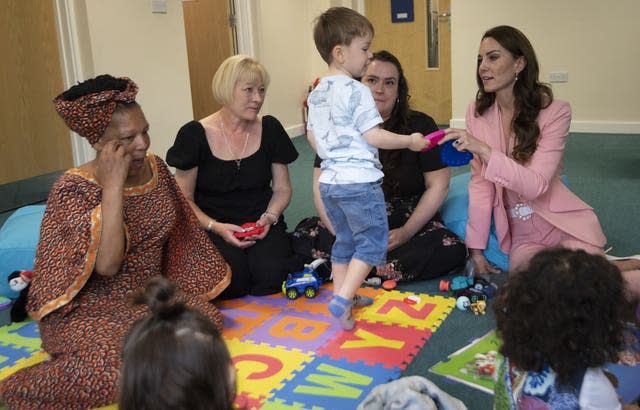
x: 361, y: 301
x: 341, y: 309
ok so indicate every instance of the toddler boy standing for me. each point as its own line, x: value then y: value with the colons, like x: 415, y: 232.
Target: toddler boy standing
x: 343, y: 128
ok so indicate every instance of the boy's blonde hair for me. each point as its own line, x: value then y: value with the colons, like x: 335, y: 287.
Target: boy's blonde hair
x: 231, y: 71
x: 339, y: 25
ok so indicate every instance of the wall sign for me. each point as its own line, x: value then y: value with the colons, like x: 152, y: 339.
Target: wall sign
x: 401, y: 11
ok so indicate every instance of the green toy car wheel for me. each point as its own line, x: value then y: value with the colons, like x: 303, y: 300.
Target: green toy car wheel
x: 292, y: 293
x: 310, y: 292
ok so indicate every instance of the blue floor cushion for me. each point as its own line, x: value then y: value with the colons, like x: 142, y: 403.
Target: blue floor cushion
x: 18, y: 239
x: 454, y: 212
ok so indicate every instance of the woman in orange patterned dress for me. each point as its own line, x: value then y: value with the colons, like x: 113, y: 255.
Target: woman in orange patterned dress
x: 110, y: 225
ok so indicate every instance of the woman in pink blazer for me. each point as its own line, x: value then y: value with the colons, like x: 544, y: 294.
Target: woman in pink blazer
x: 517, y: 133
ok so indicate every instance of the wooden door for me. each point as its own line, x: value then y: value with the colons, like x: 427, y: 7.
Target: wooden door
x: 209, y: 43
x: 33, y: 139
x: 430, y: 88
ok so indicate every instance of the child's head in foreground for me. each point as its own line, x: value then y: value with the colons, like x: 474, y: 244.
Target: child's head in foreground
x: 174, y: 358
x: 339, y: 27
x: 565, y: 310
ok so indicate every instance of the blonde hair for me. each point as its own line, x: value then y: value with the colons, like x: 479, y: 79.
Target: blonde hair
x: 231, y: 71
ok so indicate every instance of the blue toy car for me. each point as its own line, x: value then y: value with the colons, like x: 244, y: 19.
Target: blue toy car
x: 306, y: 282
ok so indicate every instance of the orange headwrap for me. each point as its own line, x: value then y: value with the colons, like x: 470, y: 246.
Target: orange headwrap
x: 91, y: 114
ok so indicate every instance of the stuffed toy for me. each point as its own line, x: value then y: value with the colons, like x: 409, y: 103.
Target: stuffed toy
x: 19, y: 282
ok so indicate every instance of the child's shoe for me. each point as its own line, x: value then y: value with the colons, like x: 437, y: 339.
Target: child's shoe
x: 341, y: 309
x: 361, y: 301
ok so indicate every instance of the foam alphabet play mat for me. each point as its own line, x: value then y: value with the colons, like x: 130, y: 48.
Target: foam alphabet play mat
x: 293, y: 353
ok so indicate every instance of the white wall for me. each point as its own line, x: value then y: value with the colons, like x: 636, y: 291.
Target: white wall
x: 593, y: 40
x: 283, y: 35
x: 127, y: 39
x: 284, y: 44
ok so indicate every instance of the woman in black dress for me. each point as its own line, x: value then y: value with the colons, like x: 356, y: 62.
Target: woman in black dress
x: 233, y: 168
x: 415, y: 185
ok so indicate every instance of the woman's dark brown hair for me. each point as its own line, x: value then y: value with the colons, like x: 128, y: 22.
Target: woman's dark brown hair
x: 397, y: 122
x: 174, y: 358
x: 530, y: 95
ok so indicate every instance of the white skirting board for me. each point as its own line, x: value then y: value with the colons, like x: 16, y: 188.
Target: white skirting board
x: 295, y: 130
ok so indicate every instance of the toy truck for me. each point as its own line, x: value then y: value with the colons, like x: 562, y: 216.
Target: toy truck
x: 305, y: 283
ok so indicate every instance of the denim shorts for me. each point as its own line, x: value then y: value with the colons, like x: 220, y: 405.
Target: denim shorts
x: 358, y: 214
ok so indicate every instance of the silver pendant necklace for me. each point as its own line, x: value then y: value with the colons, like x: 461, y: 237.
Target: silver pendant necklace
x: 238, y: 158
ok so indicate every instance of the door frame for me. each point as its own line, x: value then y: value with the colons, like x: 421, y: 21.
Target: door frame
x: 244, y: 26
x: 76, y: 61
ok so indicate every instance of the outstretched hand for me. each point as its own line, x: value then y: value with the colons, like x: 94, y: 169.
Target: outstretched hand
x: 418, y: 142
x: 464, y: 141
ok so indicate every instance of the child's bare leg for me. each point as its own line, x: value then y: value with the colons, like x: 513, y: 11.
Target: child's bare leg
x: 342, y: 302
x: 359, y: 300
x: 357, y: 271
x: 338, y: 272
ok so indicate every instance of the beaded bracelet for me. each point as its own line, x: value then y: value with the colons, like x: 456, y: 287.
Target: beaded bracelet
x: 271, y: 214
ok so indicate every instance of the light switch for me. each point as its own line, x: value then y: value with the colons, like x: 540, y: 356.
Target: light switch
x: 159, y: 6
x: 558, y: 77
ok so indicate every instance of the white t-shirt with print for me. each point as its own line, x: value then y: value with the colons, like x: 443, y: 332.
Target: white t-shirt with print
x: 341, y: 109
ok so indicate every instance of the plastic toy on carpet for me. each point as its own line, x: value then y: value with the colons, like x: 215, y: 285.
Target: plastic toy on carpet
x: 306, y: 283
